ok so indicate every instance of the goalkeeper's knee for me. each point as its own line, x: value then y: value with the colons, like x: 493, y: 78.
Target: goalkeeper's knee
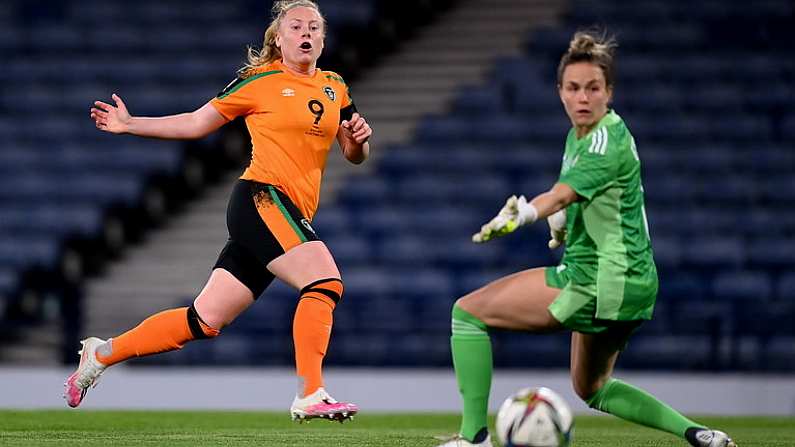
x: 464, y: 324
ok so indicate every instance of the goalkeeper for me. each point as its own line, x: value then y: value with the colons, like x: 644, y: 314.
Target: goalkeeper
x: 606, y: 284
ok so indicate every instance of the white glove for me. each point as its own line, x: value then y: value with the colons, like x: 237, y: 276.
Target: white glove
x: 515, y: 213
x: 557, y: 229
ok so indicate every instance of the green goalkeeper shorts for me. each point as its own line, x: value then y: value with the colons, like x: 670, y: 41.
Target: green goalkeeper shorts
x: 575, y: 307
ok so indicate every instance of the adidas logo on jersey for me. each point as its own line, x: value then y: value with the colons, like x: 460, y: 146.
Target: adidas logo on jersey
x: 288, y: 92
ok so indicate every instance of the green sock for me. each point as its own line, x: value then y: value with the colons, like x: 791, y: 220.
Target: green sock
x: 635, y: 405
x: 471, y: 348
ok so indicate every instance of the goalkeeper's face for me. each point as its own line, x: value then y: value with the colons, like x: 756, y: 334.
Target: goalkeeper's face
x: 585, y: 95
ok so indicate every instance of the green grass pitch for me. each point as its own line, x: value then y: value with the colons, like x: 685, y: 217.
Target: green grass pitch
x: 239, y: 429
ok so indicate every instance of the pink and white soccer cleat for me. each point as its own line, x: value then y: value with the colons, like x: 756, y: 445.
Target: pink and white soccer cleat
x: 321, y: 405
x: 87, y: 373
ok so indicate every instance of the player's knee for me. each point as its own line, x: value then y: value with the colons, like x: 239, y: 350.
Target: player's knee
x: 198, y: 328
x: 586, y: 389
x: 465, y: 303
x: 328, y: 290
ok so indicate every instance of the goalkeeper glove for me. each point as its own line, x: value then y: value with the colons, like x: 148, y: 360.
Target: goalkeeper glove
x: 557, y: 229
x: 515, y: 213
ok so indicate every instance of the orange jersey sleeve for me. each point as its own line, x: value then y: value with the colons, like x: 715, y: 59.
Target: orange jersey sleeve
x: 293, y: 121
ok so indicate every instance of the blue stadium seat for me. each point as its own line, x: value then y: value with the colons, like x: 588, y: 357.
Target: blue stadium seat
x: 788, y: 127
x: 770, y: 222
x: 447, y: 129
x: 679, y: 285
x: 462, y: 159
x: 461, y: 253
x: 661, y: 97
x: 66, y: 221
x: 674, y: 189
x: 725, y: 98
x: 9, y: 284
x: 694, y: 317
x: 667, y: 252
x: 785, y: 290
x: 678, y: 352
x: 88, y: 188
x: 779, y: 190
x: 399, y: 161
x: 349, y: 249
x: 366, y: 283
x: 533, y: 98
x: 365, y: 192
x: 339, y: 13
x: 332, y: 220
x: 406, y: 250
x: 390, y: 315
x: 381, y: 221
x: 715, y: 253
x: 516, y: 71
x: 21, y: 253
x: 725, y: 191
x: 743, y: 285
x: 701, y: 221
x: 478, y: 101
x: 531, y: 350
x: 741, y: 128
x: 779, y: 354
x: 771, y: 253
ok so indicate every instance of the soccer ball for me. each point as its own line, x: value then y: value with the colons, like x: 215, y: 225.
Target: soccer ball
x: 535, y: 417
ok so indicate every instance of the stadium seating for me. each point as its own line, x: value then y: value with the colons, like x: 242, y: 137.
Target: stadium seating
x: 709, y: 109
x: 716, y: 145
x: 63, y: 184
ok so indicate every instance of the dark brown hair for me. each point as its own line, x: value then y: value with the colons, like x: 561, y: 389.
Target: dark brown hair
x: 592, y: 47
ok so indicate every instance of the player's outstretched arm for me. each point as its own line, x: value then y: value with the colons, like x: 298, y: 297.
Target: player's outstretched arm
x: 517, y: 211
x: 354, y: 136
x: 184, y: 126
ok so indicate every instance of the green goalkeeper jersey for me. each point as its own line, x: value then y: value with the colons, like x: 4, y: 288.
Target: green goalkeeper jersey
x: 608, y: 237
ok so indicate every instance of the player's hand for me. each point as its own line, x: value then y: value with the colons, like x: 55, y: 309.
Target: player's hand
x: 515, y: 213
x: 113, y: 119
x: 356, y: 129
x: 557, y: 229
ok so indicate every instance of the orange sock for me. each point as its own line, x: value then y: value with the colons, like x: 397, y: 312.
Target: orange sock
x: 162, y: 332
x: 312, y: 330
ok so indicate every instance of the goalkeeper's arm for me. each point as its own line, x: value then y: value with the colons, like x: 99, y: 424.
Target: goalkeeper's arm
x: 518, y: 211
x: 546, y: 204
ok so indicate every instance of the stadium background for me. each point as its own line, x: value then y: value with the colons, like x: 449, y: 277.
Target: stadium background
x: 98, y: 231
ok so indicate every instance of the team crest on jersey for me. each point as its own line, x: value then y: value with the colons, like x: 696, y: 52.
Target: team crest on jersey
x: 332, y: 95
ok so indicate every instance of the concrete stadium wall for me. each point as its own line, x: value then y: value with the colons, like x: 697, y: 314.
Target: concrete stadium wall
x: 376, y: 390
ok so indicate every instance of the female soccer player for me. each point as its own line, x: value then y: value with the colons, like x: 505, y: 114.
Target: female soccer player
x: 293, y: 111
x: 606, y: 284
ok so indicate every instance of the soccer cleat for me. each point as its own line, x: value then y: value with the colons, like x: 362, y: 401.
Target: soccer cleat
x: 458, y: 441
x: 705, y: 437
x: 321, y: 405
x: 87, y: 373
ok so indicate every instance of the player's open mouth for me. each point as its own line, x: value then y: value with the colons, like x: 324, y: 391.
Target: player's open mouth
x: 306, y: 46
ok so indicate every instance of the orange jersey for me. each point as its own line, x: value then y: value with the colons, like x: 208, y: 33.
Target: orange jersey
x: 293, y: 121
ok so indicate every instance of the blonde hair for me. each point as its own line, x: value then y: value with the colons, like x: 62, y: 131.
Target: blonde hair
x: 269, y: 51
x: 593, y: 47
